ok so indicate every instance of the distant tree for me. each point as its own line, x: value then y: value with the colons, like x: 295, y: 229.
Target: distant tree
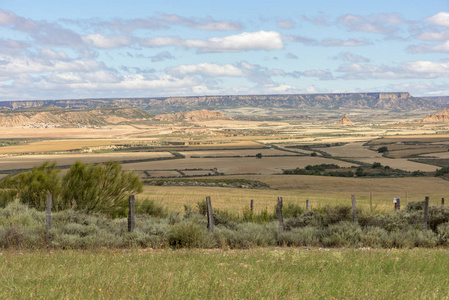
x: 382, y: 149
x: 359, y: 172
x: 313, y: 154
x: 259, y: 155
x: 376, y: 165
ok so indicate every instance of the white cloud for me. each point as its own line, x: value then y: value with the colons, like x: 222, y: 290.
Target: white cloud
x: 36, y: 66
x: 433, y: 36
x: 286, y: 24
x: 8, y: 18
x: 378, y: 23
x: 440, y: 19
x: 260, y: 40
x: 347, y: 56
x: 206, y: 69
x: 424, y: 48
x: 107, y: 42
x: 345, y: 43
x: 208, y: 23
x: 414, y: 69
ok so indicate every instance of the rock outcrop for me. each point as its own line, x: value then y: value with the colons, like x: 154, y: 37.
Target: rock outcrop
x: 345, y: 121
x: 54, y: 116
x: 439, y: 117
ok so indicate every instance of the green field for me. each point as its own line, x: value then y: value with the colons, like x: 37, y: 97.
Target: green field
x: 271, y: 273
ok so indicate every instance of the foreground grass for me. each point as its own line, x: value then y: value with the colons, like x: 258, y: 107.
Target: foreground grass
x: 246, y: 274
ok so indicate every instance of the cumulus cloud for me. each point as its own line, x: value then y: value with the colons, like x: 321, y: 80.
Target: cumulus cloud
x: 107, y: 42
x: 440, y: 19
x: 260, y: 40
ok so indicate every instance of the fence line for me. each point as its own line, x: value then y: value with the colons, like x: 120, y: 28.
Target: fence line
x: 279, y: 212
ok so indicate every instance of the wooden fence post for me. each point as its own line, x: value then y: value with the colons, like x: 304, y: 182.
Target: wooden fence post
x: 442, y: 201
x: 252, y: 206
x: 48, y: 212
x: 307, y: 205
x: 210, y: 215
x: 371, y: 201
x: 399, y: 203
x: 279, y: 213
x: 354, y: 211
x: 426, y: 211
x: 132, y: 213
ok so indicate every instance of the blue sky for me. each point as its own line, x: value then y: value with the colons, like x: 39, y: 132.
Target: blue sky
x: 94, y: 49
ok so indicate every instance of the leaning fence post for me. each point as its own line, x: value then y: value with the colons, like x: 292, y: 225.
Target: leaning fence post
x: 442, y: 201
x: 279, y: 213
x: 132, y: 214
x: 210, y: 215
x: 307, y: 205
x: 426, y: 211
x: 354, y: 211
x: 48, y: 213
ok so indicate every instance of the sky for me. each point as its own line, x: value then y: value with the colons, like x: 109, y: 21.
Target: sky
x: 108, y: 49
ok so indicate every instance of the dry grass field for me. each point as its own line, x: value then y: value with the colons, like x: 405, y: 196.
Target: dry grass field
x: 297, y: 189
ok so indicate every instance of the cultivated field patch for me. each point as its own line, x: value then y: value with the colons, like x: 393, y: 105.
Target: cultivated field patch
x: 232, y: 165
x: 246, y: 152
x: 353, y: 150
x: 30, y: 161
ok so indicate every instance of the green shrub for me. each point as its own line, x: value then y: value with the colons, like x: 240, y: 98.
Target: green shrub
x: 376, y: 237
x: 343, y: 234
x: 415, y: 206
x: 310, y: 218
x: 305, y: 236
x: 188, y: 234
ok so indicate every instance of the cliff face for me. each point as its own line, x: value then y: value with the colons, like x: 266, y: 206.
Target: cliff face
x: 439, y: 117
x: 390, y: 101
x: 197, y: 115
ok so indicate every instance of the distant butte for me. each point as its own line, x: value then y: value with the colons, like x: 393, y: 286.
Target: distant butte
x: 439, y: 117
x: 345, y: 121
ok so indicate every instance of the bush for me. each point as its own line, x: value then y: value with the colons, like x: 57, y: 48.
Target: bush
x: 305, y: 236
x: 188, y: 234
x: 343, y: 234
x: 382, y: 149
